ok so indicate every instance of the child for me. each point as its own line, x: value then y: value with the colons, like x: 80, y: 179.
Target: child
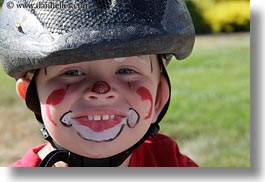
x: 95, y: 77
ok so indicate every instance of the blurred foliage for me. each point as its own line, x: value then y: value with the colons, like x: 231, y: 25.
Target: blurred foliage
x: 216, y: 16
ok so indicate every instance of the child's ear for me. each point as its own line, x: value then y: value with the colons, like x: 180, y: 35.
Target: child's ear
x: 162, y: 95
x: 21, y: 87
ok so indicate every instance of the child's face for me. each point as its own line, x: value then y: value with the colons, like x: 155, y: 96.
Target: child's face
x: 100, y: 108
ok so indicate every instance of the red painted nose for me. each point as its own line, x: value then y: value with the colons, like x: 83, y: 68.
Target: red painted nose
x: 101, y: 87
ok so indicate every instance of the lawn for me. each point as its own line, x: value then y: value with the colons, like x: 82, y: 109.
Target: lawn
x: 209, y: 114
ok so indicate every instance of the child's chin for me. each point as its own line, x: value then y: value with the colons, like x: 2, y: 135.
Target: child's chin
x: 96, y: 149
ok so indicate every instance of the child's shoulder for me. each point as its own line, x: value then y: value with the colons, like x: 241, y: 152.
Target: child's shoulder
x: 161, y: 138
x: 160, y: 151
x: 31, y: 158
x: 161, y: 143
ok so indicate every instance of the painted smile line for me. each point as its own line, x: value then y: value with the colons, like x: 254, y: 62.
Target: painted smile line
x: 97, y: 127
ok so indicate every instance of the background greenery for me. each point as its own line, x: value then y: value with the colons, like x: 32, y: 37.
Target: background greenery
x: 215, y: 16
x: 209, y: 114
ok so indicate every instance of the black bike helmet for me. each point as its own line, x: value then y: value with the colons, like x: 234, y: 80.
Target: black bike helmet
x: 35, y: 35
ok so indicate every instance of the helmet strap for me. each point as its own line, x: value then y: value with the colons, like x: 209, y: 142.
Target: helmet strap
x: 75, y: 160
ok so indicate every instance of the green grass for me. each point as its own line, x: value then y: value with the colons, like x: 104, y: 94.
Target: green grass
x: 7, y: 89
x: 209, y: 114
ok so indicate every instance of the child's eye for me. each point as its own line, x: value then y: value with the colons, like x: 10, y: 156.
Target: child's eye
x: 125, y: 71
x: 74, y: 73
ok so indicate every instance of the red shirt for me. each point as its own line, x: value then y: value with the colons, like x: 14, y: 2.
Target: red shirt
x: 160, y: 151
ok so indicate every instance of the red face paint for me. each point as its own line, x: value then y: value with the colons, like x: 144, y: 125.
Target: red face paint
x: 54, y: 99
x: 146, y: 95
x: 101, y: 87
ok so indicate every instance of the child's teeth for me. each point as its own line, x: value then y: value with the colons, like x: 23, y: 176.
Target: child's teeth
x: 105, y: 117
x: 90, y: 117
x: 97, y: 117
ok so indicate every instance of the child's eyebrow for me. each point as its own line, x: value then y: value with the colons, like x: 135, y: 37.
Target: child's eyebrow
x: 48, y: 70
x: 55, y: 68
x: 142, y: 59
x: 150, y: 61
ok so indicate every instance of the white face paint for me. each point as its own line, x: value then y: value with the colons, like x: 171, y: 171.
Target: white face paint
x: 120, y: 59
x: 100, y: 128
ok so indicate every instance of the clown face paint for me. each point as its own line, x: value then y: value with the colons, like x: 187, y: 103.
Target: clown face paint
x: 54, y: 99
x: 146, y: 95
x: 119, y: 59
x: 100, y: 128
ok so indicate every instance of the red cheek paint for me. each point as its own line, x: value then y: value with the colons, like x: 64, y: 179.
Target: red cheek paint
x: 54, y: 99
x: 146, y: 95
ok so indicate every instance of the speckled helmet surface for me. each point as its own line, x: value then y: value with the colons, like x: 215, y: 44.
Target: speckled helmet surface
x: 35, y: 34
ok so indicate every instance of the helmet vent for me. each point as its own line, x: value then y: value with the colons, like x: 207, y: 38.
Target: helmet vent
x: 104, y: 4
x: 77, y: 14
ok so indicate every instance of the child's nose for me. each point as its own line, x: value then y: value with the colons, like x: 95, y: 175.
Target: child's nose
x: 100, y: 90
x: 101, y: 87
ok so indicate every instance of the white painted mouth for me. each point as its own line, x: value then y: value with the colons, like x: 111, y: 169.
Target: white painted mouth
x: 109, y: 133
